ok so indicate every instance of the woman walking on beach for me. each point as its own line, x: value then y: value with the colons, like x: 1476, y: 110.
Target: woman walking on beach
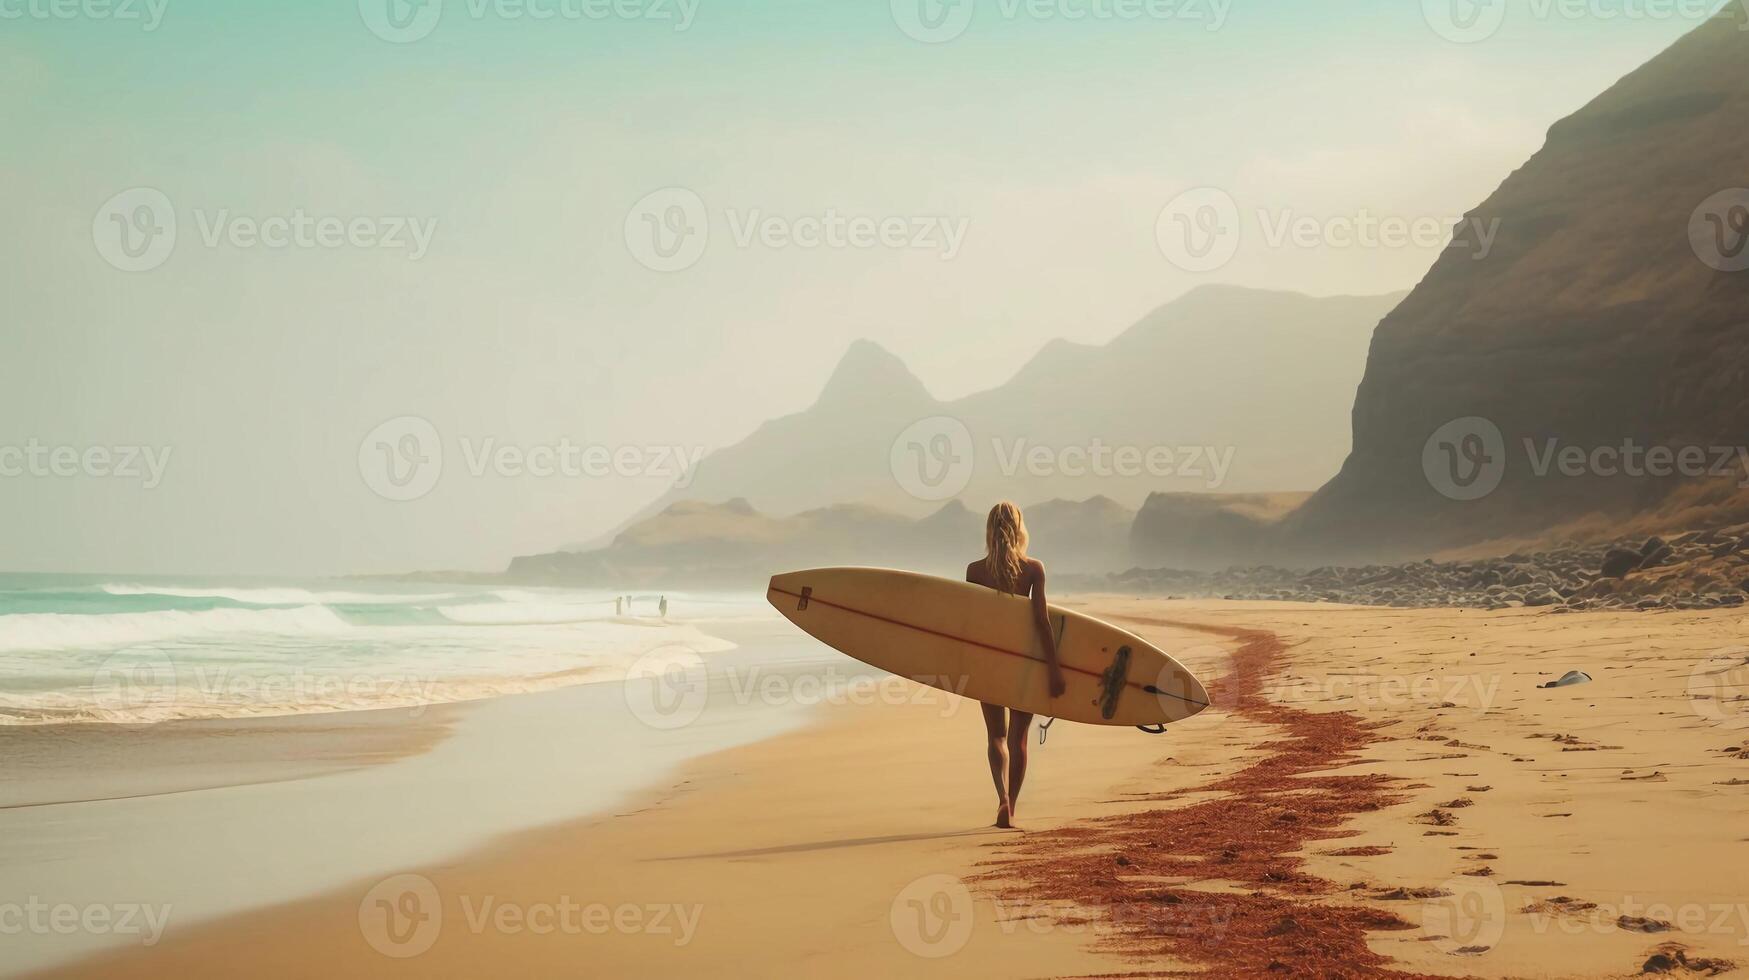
x: 1006, y: 567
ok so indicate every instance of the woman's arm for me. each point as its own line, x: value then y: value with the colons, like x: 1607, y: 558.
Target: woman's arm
x: 1041, y: 617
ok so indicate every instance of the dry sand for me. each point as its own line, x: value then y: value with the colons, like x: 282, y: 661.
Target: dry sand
x: 1485, y: 828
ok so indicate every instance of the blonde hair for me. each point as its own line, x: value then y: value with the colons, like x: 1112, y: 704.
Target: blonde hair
x: 1005, y: 546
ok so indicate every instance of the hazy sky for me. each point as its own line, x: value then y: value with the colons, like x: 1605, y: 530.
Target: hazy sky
x: 486, y: 265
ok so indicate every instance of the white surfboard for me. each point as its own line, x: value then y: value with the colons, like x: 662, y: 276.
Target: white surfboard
x: 982, y: 644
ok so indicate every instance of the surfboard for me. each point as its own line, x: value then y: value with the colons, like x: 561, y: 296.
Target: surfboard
x: 982, y: 644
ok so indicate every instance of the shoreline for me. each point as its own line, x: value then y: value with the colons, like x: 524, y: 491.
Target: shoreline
x: 202, y: 820
x: 880, y: 860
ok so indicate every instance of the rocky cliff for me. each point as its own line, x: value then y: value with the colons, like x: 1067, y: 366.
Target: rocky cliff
x: 1611, y: 313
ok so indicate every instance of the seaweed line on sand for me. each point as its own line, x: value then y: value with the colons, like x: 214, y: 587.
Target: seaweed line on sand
x: 1267, y: 918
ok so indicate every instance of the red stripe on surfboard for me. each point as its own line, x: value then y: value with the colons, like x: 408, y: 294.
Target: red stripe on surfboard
x: 970, y: 642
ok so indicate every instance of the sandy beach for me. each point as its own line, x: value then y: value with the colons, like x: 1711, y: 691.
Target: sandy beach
x: 1375, y: 792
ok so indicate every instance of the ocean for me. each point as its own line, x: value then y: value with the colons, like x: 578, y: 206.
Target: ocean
x: 130, y: 650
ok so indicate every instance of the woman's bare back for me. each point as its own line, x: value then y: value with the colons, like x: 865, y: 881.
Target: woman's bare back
x: 978, y: 573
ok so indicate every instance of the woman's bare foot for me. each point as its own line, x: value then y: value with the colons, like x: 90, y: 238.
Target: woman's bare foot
x: 1005, y: 816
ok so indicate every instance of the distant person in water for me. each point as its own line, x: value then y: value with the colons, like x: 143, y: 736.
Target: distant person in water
x: 1006, y: 567
x: 619, y: 605
x: 663, y: 608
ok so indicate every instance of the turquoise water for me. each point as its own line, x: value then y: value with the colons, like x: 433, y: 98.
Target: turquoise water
x: 130, y: 650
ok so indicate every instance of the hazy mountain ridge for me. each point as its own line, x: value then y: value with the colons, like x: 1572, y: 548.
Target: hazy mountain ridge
x: 1186, y: 375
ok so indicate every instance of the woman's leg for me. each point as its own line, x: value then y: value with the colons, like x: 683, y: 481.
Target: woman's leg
x: 1019, y: 724
x: 996, y: 733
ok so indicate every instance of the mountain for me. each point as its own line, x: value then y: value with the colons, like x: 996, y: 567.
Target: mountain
x: 1091, y: 535
x: 1599, y: 317
x: 1208, y: 531
x: 1200, y: 381
x: 733, y: 545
